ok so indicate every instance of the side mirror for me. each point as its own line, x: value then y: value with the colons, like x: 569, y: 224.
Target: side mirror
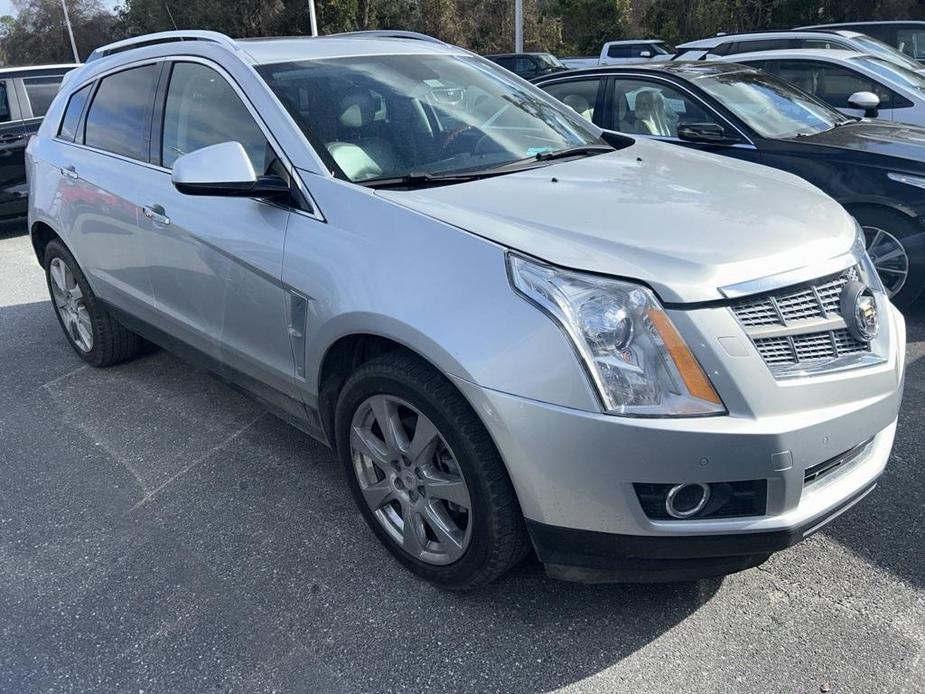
x: 645, y: 54
x: 223, y: 170
x: 867, y: 102
x: 705, y: 133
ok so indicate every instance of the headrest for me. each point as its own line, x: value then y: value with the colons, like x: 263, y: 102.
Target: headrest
x: 577, y: 103
x: 357, y: 109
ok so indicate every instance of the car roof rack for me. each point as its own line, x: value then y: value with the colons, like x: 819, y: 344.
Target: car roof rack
x: 162, y: 37
x: 386, y: 34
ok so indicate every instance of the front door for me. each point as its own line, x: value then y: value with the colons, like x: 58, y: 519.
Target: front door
x: 216, y: 262
x: 657, y: 109
x: 12, y: 155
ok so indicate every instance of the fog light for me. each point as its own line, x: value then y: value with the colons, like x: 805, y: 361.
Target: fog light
x: 686, y: 500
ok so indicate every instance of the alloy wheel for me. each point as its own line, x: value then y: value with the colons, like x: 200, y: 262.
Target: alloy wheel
x: 889, y: 258
x: 411, y: 480
x: 70, y: 304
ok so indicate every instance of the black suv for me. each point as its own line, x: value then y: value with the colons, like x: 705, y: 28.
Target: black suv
x: 25, y: 94
x: 528, y: 65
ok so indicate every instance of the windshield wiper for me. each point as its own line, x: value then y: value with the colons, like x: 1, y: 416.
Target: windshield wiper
x: 573, y: 152
x: 419, y: 179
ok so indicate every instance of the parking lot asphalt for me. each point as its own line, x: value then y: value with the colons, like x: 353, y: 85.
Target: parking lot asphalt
x: 161, y: 532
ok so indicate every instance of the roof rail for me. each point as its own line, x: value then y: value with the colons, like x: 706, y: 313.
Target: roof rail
x: 162, y: 37
x: 387, y: 34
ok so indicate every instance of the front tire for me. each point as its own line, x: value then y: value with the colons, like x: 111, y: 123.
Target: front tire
x: 426, y: 475
x: 96, y: 337
x: 897, y: 248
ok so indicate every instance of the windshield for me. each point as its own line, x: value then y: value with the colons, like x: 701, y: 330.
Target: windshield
x: 549, y: 60
x: 661, y: 48
x: 892, y: 72
x: 771, y: 107
x: 882, y: 50
x: 390, y: 116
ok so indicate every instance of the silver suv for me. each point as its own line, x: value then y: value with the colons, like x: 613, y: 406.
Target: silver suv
x: 643, y: 363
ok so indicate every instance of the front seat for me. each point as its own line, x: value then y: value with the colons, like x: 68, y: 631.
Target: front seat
x: 356, y: 126
x: 652, y: 114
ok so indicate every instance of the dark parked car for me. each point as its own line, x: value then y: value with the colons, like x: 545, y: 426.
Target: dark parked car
x: 876, y: 169
x: 25, y: 94
x: 528, y: 65
x: 908, y: 36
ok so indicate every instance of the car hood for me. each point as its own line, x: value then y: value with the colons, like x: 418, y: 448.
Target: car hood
x: 876, y: 137
x: 683, y: 222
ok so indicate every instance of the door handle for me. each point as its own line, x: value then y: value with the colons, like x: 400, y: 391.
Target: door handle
x: 69, y: 172
x: 156, y: 214
x: 11, y: 137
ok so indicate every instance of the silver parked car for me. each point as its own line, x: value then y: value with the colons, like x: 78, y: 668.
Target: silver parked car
x: 643, y: 363
x: 856, y: 84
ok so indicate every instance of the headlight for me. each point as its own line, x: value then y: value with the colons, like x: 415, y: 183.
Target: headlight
x: 633, y: 353
x: 869, y: 274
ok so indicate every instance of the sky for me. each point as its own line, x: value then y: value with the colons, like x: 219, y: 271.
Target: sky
x: 6, y: 7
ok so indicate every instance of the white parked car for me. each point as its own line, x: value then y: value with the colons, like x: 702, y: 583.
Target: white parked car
x: 848, y: 81
x: 725, y: 45
x: 625, y: 52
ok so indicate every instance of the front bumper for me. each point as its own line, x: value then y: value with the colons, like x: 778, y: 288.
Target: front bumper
x: 574, y: 471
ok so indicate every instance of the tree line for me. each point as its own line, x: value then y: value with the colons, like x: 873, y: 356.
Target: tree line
x: 35, y: 33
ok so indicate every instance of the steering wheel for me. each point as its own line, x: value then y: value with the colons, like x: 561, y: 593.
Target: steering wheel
x: 455, y: 137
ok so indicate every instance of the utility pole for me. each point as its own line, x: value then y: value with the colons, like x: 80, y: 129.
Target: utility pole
x: 518, y: 26
x: 70, y: 31
x: 312, y: 18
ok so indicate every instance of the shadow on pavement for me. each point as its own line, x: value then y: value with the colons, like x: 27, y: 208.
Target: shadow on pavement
x: 888, y: 527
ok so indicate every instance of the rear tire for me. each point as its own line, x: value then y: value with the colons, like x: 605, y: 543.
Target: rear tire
x: 485, y: 518
x: 896, y: 246
x: 96, y: 337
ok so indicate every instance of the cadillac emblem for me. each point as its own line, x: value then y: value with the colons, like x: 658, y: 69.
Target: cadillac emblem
x: 859, y: 309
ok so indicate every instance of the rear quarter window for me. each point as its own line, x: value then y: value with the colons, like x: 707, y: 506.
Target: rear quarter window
x: 120, y: 112
x: 72, y: 113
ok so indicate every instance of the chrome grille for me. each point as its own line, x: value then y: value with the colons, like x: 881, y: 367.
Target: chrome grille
x: 801, y: 327
x: 792, y: 305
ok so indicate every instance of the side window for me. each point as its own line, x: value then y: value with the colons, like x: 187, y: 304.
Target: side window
x: 71, y: 119
x: 640, y: 48
x: 911, y: 42
x: 618, y: 51
x: 764, y: 45
x: 653, y: 108
x: 579, y: 95
x: 202, y: 109
x: 41, y: 91
x: 524, y: 66
x: 4, y: 103
x: 821, y: 43
x: 120, y: 110
x: 832, y: 83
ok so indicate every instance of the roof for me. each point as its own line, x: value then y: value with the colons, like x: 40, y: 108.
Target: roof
x: 684, y: 69
x: 627, y: 42
x: 830, y: 54
x: 37, y: 68
x: 293, y: 48
x: 714, y: 41
x: 872, y: 22
x: 514, y: 55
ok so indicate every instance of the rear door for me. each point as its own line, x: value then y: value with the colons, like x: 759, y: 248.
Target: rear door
x: 12, y: 154
x: 216, y: 262
x: 584, y: 95
x: 102, y: 162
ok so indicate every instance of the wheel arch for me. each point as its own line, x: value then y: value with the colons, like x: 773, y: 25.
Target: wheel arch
x: 350, y: 350
x: 42, y: 234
